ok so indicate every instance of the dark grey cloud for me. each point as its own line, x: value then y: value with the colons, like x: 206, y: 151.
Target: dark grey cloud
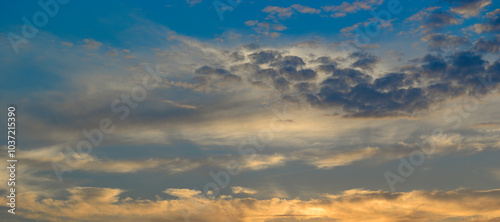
x: 281, y: 84
x: 392, y: 81
x: 366, y: 100
x: 292, y: 73
x: 403, y: 92
x: 325, y: 60
x: 326, y: 68
x: 287, y: 67
x: 237, y: 56
x: 304, y: 87
x: 251, y: 46
x: 264, y: 57
x: 493, y: 72
x: 266, y: 73
x: 484, y: 45
x: 492, y: 23
x: 439, y: 19
x: 466, y: 65
x: 289, y: 61
x: 218, y: 73
x: 244, y: 68
x: 432, y: 66
x: 432, y: 79
x: 365, y: 60
x: 442, y: 42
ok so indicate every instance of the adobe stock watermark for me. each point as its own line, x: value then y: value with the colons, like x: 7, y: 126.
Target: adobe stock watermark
x: 248, y: 149
x: 94, y: 137
x: 49, y: 8
x: 456, y: 115
x: 221, y: 8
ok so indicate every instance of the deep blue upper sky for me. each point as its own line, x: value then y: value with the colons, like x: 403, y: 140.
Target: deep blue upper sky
x: 102, y: 20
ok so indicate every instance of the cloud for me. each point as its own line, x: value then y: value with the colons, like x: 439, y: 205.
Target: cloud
x: 484, y: 45
x: 90, y: 163
x: 193, y: 2
x: 209, y: 74
x: 354, y: 89
x: 180, y: 105
x: 291, y: 73
x: 263, y: 57
x: 432, y: 19
x: 420, y: 15
x: 347, y: 7
x: 266, y: 28
x: 280, y: 12
x: 492, y: 23
x: 69, y: 44
x: 170, y: 166
x: 286, y: 12
x: 488, y: 124
x: 305, y: 9
x: 320, y: 83
x: 102, y: 204
x: 442, y: 42
x: 237, y: 190
x: 468, y: 8
x: 91, y: 44
x: 364, y: 60
x: 182, y: 193
x: 439, y: 19
x: 272, y: 26
x: 322, y: 161
x: 260, y: 162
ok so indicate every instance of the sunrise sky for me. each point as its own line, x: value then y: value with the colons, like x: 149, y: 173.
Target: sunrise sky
x: 252, y: 111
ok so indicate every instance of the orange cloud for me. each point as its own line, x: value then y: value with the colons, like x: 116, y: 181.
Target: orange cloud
x: 104, y: 204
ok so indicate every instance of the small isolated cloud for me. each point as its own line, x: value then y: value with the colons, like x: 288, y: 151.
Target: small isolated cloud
x: 237, y: 190
x: 272, y: 25
x: 342, y: 158
x: 266, y: 28
x: 279, y: 12
x: 346, y: 7
x: 305, y: 9
x: 286, y: 12
x: 92, y: 44
x: 182, y: 193
x: 184, y: 106
x: 468, y: 8
x: 69, y: 44
x: 260, y: 162
x: 193, y: 2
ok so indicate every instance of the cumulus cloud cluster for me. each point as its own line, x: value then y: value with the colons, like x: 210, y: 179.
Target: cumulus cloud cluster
x: 324, y: 81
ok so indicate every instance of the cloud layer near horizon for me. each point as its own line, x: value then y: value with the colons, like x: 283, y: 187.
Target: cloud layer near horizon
x: 104, y: 204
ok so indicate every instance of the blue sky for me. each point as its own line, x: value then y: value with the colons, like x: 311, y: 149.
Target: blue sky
x: 322, y: 106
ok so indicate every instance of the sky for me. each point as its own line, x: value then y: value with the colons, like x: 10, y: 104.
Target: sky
x: 252, y: 111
